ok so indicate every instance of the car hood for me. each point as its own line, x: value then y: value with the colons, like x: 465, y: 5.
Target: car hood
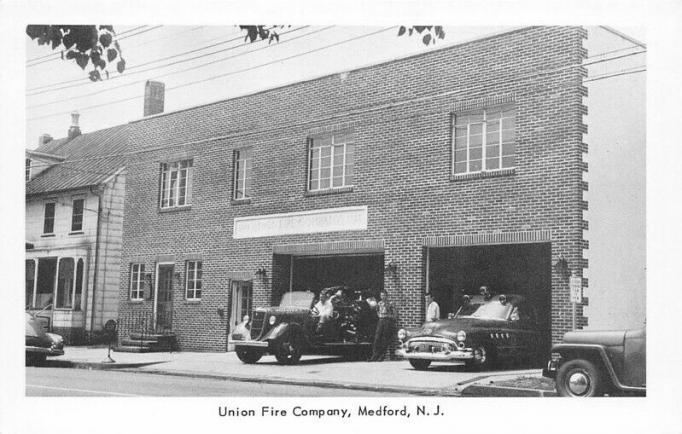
x: 448, y: 328
x: 283, y: 310
x: 606, y: 338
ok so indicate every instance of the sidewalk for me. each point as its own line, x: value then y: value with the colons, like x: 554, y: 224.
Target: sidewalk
x: 320, y: 371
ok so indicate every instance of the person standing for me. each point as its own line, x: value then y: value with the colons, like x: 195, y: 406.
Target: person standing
x: 385, y: 331
x: 432, y: 309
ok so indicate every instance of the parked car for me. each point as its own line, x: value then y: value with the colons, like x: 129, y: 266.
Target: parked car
x: 40, y: 344
x: 484, y: 330
x: 593, y: 363
x: 292, y: 329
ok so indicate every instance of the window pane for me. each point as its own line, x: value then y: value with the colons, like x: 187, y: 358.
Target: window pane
x: 460, y: 142
x: 475, y: 129
x: 322, y: 141
x: 508, y: 149
x: 509, y: 113
x: 48, y: 224
x: 509, y: 161
x: 475, y: 166
x: 492, y: 163
x: 79, y: 285
x: 461, y: 120
x: 314, y: 184
x: 461, y: 167
x: 493, y: 114
x: 325, y: 173
x: 337, y: 181
x: 338, y: 155
x: 349, y: 178
x: 476, y: 117
x: 239, y: 189
x: 30, y: 281
x: 492, y: 137
x: 476, y: 153
x: 324, y: 183
x: 77, y: 215
x: 461, y: 155
x: 492, y: 151
x: 326, y: 159
x: 507, y: 135
x: 343, y: 137
x: 247, y: 187
x: 197, y: 294
x: 338, y: 171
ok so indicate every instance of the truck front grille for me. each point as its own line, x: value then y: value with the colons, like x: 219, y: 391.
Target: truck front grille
x: 257, y: 324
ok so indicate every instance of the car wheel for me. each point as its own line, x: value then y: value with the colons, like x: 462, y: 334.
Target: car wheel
x: 35, y: 359
x: 248, y: 355
x: 420, y: 364
x: 483, y: 359
x: 579, y: 378
x: 289, y: 348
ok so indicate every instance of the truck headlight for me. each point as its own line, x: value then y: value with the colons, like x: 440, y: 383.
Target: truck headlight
x: 461, y: 336
x: 272, y: 320
x: 402, y: 334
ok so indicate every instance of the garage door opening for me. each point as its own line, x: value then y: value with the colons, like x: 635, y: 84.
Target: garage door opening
x: 523, y: 269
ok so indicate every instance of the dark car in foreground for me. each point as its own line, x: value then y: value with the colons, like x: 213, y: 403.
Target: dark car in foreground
x: 486, y: 329
x: 40, y: 344
x: 291, y: 329
x: 594, y: 363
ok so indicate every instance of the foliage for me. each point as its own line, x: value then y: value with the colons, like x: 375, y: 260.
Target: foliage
x: 95, y: 45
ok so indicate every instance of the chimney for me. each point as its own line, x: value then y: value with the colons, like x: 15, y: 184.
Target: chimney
x: 44, y: 138
x: 74, y: 129
x: 153, y: 97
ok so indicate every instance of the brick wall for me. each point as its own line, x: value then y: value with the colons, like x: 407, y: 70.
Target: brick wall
x: 400, y: 112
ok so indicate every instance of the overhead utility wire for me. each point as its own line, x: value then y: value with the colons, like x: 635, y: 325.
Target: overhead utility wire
x: 119, y: 39
x: 57, y: 54
x: 99, y: 92
x: 80, y: 81
x: 221, y: 75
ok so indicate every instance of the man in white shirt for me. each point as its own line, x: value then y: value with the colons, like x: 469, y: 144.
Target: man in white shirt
x: 324, y: 309
x: 432, y: 309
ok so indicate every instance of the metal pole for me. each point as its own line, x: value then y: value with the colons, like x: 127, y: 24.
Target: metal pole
x: 573, y: 315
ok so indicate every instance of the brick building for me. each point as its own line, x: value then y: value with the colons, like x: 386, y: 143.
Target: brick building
x: 443, y: 171
x: 74, y: 216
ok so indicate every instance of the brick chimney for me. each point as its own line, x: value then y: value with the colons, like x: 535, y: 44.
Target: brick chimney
x: 74, y: 129
x: 154, y: 92
x: 44, y: 138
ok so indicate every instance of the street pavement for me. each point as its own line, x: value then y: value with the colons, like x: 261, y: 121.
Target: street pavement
x: 96, y: 383
x: 312, y: 371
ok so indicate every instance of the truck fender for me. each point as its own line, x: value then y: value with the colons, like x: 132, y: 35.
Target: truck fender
x: 594, y: 353
x: 280, y: 329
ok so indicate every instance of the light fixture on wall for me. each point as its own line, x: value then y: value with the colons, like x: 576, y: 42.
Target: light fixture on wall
x: 261, y: 272
x: 392, y: 268
x: 178, y: 277
x: 561, y: 267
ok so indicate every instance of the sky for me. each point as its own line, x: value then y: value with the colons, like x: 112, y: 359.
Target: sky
x: 303, y: 52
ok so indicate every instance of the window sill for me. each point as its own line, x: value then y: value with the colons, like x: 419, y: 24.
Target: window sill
x: 175, y: 208
x: 245, y: 201
x: 77, y: 233
x: 47, y: 235
x: 140, y: 301
x: 196, y: 301
x: 340, y: 190
x: 484, y: 174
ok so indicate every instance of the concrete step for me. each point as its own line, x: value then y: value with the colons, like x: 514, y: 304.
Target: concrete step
x: 132, y: 349
x: 151, y: 336
x: 139, y: 342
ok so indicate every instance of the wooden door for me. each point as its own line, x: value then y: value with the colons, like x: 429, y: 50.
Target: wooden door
x: 164, y: 303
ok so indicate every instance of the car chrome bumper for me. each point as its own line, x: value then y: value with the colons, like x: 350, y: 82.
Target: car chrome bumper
x: 252, y: 344
x: 46, y: 351
x: 445, y: 356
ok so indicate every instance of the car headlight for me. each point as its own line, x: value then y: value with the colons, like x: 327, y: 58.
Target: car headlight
x: 461, y: 336
x: 272, y: 320
x: 402, y: 334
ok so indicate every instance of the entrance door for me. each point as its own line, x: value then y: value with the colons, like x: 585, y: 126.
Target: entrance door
x: 241, y: 301
x: 164, y: 303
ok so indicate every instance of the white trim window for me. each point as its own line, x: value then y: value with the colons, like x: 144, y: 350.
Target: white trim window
x: 484, y: 141
x: 193, y: 283
x: 137, y: 282
x: 77, y: 215
x: 48, y: 218
x: 330, y: 162
x: 242, y: 173
x: 176, y: 184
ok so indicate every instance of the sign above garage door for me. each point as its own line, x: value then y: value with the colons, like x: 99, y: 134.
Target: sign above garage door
x: 352, y: 218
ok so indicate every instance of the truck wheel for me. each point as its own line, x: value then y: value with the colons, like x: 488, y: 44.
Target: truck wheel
x: 248, y: 355
x: 579, y: 378
x: 288, y: 349
x: 420, y: 364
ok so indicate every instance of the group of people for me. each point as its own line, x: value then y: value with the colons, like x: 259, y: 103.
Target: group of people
x: 386, y: 313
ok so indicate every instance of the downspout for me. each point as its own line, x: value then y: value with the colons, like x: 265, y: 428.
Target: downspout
x: 106, y: 246
x: 96, y: 191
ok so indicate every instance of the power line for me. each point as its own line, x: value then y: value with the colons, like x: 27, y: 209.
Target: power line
x: 175, y: 63
x: 57, y: 54
x: 616, y: 74
x: 84, y: 80
x: 118, y: 39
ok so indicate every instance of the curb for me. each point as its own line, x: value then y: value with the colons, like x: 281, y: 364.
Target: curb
x: 100, y: 366
x: 477, y: 390
x: 310, y: 383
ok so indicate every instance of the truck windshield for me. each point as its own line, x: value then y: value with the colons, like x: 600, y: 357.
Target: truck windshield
x: 490, y: 310
x: 303, y: 299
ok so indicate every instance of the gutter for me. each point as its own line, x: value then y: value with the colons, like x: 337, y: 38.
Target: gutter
x: 97, y: 193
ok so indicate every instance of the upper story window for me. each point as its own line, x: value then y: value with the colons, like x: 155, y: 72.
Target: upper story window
x: 77, y: 215
x: 28, y: 169
x: 176, y: 184
x: 484, y: 140
x: 242, y: 173
x: 48, y: 220
x: 194, y: 280
x: 331, y: 162
x: 137, y: 281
